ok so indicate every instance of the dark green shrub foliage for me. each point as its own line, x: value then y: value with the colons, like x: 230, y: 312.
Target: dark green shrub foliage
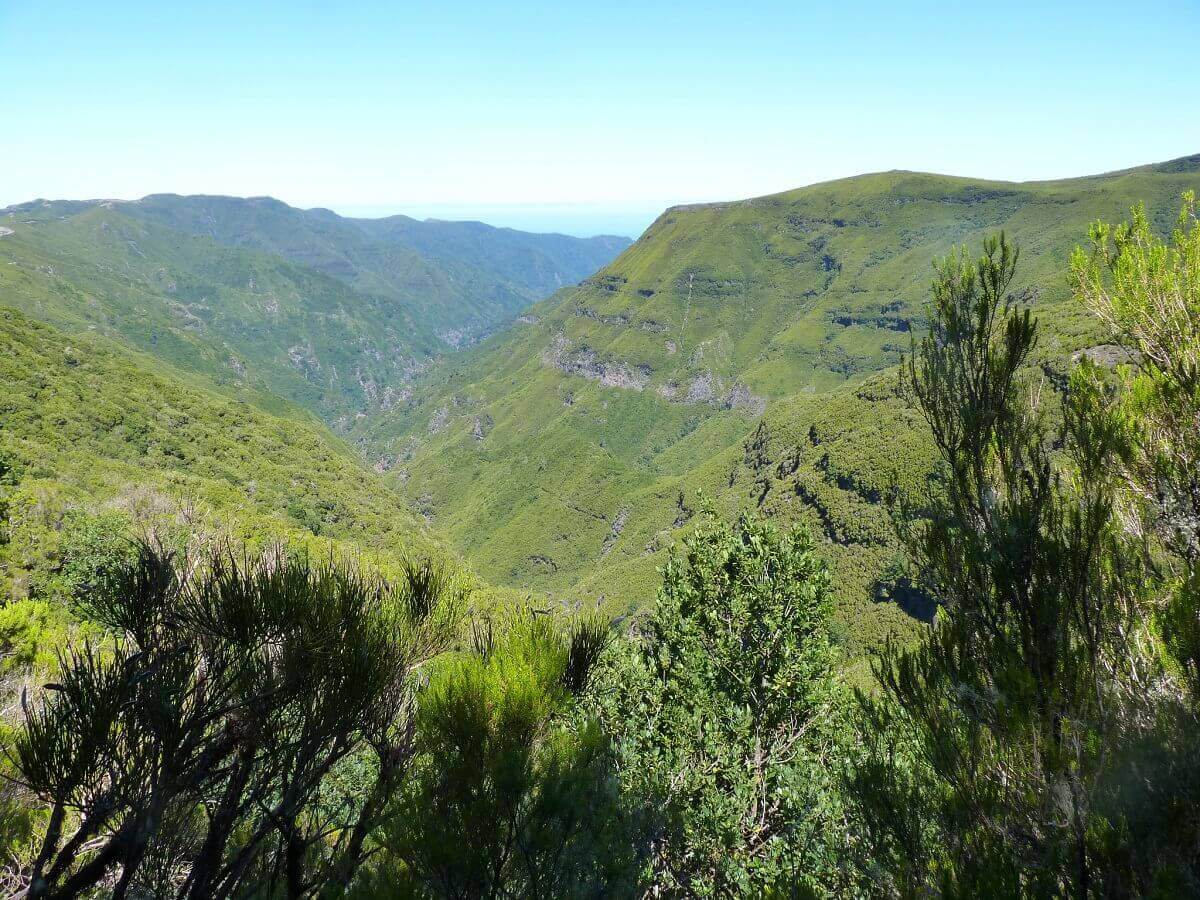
x: 1018, y: 750
x: 719, y: 705
x: 513, y: 794
x: 197, y: 753
x: 1147, y: 293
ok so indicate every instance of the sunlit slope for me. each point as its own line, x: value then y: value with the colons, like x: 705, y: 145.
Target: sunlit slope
x: 84, y: 422
x: 828, y: 461
x: 554, y: 454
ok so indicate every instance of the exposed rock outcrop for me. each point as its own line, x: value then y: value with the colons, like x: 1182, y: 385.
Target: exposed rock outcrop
x: 587, y: 363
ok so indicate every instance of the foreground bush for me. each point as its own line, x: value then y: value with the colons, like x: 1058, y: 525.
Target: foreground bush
x: 720, y: 707
x: 1146, y: 291
x: 1042, y: 740
x: 241, y: 733
x: 513, y: 793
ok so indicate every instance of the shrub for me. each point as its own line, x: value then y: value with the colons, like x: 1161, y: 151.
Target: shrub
x: 512, y: 795
x: 197, y: 751
x: 720, y: 706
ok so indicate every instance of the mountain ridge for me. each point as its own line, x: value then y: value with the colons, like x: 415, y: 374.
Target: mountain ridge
x: 459, y: 280
x: 1176, y: 165
x: 322, y: 211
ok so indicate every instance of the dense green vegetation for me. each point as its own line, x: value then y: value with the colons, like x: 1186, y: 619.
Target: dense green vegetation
x: 239, y: 665
x: 722, y: 709
x: 271, y: 695
x: 512, y: 794
x: 97, y: 444
x: 1042, y: 740
x: 565, y: 454
x: 742, y: 350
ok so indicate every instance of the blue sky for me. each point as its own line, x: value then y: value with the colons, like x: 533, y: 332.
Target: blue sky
x: 577, y: 116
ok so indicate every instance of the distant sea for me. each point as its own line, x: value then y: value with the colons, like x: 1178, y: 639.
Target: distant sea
x: 580, y: 220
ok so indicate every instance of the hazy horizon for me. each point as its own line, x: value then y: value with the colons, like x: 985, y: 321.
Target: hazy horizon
x: 574, y: 219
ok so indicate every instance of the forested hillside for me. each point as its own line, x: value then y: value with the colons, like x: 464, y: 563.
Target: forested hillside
x: 97, y: 444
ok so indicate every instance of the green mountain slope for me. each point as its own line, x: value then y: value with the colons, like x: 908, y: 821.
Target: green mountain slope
x: 84, y: 424
x: 333, y: 315
x: 555, y: 455
x: 243, y: 319
x: 457, y: 279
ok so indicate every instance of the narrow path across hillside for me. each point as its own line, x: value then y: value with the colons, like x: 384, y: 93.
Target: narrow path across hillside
x: 687, y: 310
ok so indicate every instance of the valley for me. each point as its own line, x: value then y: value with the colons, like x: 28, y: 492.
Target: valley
x: 500, y: 524
x: 736, y: 355
x: 657, y: 451
x: 194, y: 381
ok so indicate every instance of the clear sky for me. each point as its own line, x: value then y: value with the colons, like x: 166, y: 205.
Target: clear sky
x: 557, y: 114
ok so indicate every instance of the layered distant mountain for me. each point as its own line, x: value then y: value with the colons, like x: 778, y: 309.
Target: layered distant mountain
x: 458, y: 279
x: 336, y: 315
